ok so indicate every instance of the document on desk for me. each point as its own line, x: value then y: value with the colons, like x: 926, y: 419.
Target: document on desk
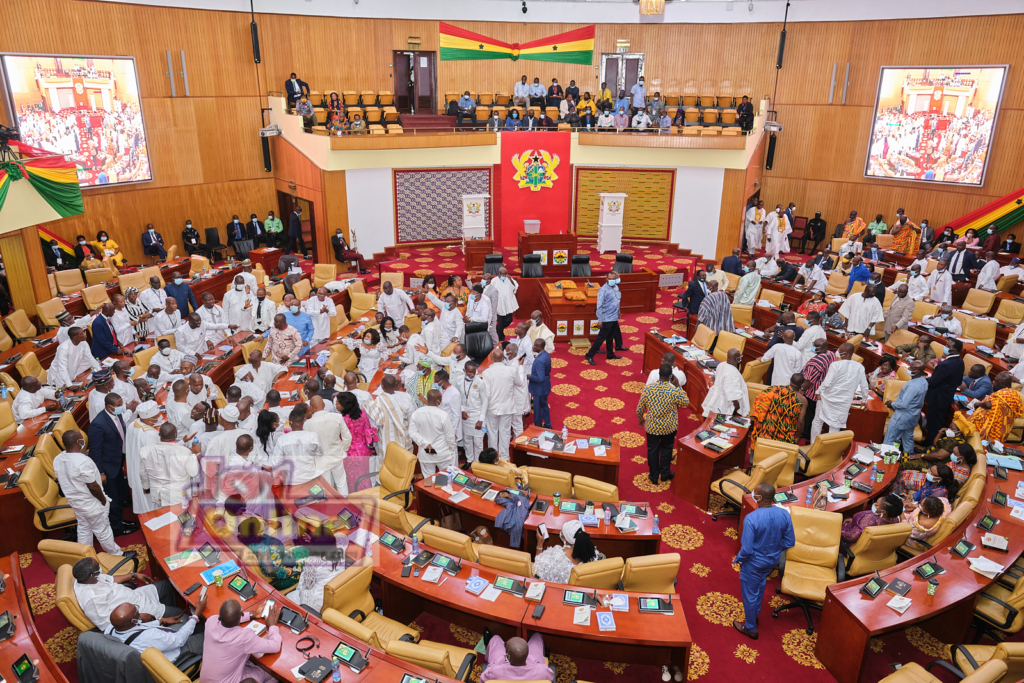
x: 581, y: 616
x: 161, y: 521
x: 360, y: 536
x: 600, y: 451
x: 490, y: 593
x: 458, y: 497
x: 985, y: 567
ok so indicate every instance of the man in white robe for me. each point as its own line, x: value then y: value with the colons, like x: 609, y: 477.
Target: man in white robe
x: 166, y: 321
x: 81, y: 482
x: 989, y: 273
x: 814, y: 277
x: 1014, y: 348
x: 237, y: 305
x: 263, y: 311
x: 455, y: 363
x: 414, y: 341
x: 917, y: 284
x: 351, y: 383
x: 190, y: 338
x: 141, y: 433
x: 390, y: 411
x: 767, y: 267
x: 667, y: 358
x: 214, y: 320
x: 451, y: 402
x: 154, y: 297
x: 394, y: 303
x: 862, y: 311
x: 471, y: 389
x: 940, y: 285
x: 539, y: 330
x: 453, y: 328
x: 321, y: 309
x: 844, y: 379
x: 431, y: 332
x: 776, y: 233
x: 728, y: 395
x: 166, y: 358
x: 222, y: 446
x: 944, y: 320
x: 335, y: 438
x: 499, y: 405
x: 301, y: 452
x: 480, y: 309
x: 72, y: 358
x: 432, y: 432
x: 168, y: 469
x: 812, y: 333
x: 748, y: 288
x: 123, y: 384
x: 179, y: 411
x: 257, y: 377
x: 788, y: 360
x: 754, y: 226
x: 506, y: 303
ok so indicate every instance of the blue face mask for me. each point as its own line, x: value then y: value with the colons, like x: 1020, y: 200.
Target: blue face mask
x: 368, y: 342
x: 931, y: 477
x: 118, y: 410
x: 447, y: 306
x: 435, y: 385
x: 502, y: 278
x: 151, y: 380
x: 614, y: 283
x: 954, y: 458
x: 177, y: 280
x: 294, y: 310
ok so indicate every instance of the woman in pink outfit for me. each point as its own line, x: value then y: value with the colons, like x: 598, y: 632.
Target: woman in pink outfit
x: 357, y: 462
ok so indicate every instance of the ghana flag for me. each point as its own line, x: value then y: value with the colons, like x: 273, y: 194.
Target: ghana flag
x: 574, y: 47
x: 1003, y: 213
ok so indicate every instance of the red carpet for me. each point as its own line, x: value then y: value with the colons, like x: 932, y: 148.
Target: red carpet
x: 603, y: 400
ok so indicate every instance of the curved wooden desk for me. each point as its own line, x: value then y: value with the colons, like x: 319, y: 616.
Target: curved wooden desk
x: 583, y: 462
x: 26, y: 639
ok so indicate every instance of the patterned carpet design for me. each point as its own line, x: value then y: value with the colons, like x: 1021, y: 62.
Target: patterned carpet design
x: 603, y: 400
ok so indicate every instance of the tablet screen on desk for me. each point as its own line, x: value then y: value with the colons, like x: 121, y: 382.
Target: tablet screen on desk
x: 461, y: 479
x: 388, y: 538
x: 651, y: 603
x: 207, y: 550
x: 962, y: 548
x: 409, y: 678
x: 238, y: 583
x: 927, y: 569
x: 344, y: 652
x: 874, y: 586
x: 504, y: 583
x: 987, y: 523
x: 574, y: 597
x: 316, y: 490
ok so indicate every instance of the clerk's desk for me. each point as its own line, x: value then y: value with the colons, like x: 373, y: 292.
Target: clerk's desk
x: 639, y: 638
x: 26, y: 639
x: 584, y: 462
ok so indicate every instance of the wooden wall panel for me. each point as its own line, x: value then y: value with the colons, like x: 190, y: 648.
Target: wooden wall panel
x: 335, y: 195
x: 730, y: 220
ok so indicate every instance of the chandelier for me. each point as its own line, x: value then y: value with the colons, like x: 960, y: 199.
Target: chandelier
x: 652, y: 6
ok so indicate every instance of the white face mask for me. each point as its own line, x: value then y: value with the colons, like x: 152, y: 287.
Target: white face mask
x: 950, y: 433
x: 239, y: 288
x: 166, y: 351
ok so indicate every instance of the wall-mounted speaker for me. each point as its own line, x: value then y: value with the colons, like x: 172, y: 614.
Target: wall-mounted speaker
x: 266, y: 153
x: 768, y: 162
x: 255, y: 42
x: 778, y: 60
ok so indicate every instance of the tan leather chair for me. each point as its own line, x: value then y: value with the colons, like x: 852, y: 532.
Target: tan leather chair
x: 970, y: 658
x: 901, y: 337
x: 912, y: 672
x: 69, y: 281
x: 46, y: 451
x: 20, y: 327
x: 395, y: 475
x: 735, y: 483
x: 60, y: 553
x: 301, y: 289
x: 827, y: 451
x: 342, y: 360
x: 876, y: 548
x: 276, y: 293
x: 51, y: 508
x: 546, y: 482
x: 67, y: 601
x: 172, y: 253
x: 1010, y: 312
x: 139, y: 280
x: 161, y: 668
x: 703, y: 337
x: 981, y: 331
x: 766, y: 448
x: 651, y: 573
x: 361, y: 305
x: 742, y: 315
x: 837, y: 283
x: 600, y: 574
x: 970, y: 360
x: 450, y: 542
x: 1000, y: 607
x: 1007, y: 283
x: 48, y: 311
x: 493, y: 473
x: 585, y: 488
x: 96, y: 276
x: 413, y: 322
x: 505, y: 559
x: 5, y: 339
x: 980, y: 470
x: 94, y: 297
x: 197, y: 264
x: 67, y: 422
x: 142, y: 360
x: 249, y: 347
x: 733, y: 281
x: 393, y: 515
x: 923, y: 309
x: 754, y: 371
x: 8, y: 427
x: 324, y: 273
x: 356, y: 287
x: 979, y: 301
x: 753, y: 391
x: 726, y: 341
x: 28, y: 365
x: 152, y: 271
x: 348, y: 593
x: 951, y: 522
x: 813, y: 564
x: 447, y: 660
x: 397, y: 280
x: 774, y: 297
x: 351, y: 627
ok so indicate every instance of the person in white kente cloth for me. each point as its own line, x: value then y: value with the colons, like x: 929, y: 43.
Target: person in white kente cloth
x: 480, y: 309
x: 140, y: 433
x: 166, y: 321
x: 755, y: 226
x: 335, y: 438
x: 539, y: 329
x: 513, y: 358
x: 776, y: 233
x: 214, y: 320
x: 940, y: 285
x: 166, y: 358
x: 390, y: 412
x: 321, y: 309
x: 168, y: 469
x: 944, y: 320
x: 862, y: 311
x: 788, y: 359
x: 844, y: 379
x: 728, y: 395
x: 499, y: 406
x: 989, y: 273
x: 394, y: 303
x: 238, y: 303
x: 432, y: 432
x: 82, y: 484
x: 300, y: 451
x: 72, y: 358
x: 257, y: 377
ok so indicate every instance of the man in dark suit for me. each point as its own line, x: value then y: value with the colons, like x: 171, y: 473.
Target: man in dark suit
x: 153, y: 242
x: 56, y: 257
x: 295, y: 87
x: 104, y: 340
x: 943, y: 383
x: 787, y: 271
x: 235, y: 230
x: 745, y: 114
x: 344, y: 254
x: 815, y: 230
x: 295, y: 242
x: 106, y: 448
x: 256, y: 232
x: 962, y: 262
x: 540, y: 384
x: 695, y: 292
x: 1010, y: 244
x: 733, y: 264
x: 873, y: 253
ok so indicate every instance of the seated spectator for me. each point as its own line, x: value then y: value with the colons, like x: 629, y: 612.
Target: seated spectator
x: 885, y: 511
x: 467, y: 109
x: 326, y: 560
x: 521, y: 93
x: 655, y: 107
x: 925, y: 520
x: 622, y: 102
x: 641, y: 121
x: 537, y: 93
x: 530, y: 122
x: 606, y: 120
x: 86, y: 252
x: 55, y: 257
x: 489, y: 456
x: 555, y: 563
x: 555, y: 93
x: 680, y: 119
x: 516, y: 660
x: 336, y: 105
x: 970, y: 238
x: 977, y: 383
x: 512, y: 121
x: 573, y: 91
x: 127, y: 626
x: 338, y: 125
x: 564, y: 107
x: 495, y: 123
x: 588, y: 121
x: 98, y: 593
x: 305, y: 109
x: 665, y: 123
x: 587, y: 105
x: 546, y: 122
x: 605, y: 99
x: 621, y: 120
x: 745, y: 114
x: 358, y: 126
x: 572, y: 118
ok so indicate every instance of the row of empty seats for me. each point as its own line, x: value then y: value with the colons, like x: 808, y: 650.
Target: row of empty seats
x: 709, y: 100
x: 353, y: 98
x: 369, y: 115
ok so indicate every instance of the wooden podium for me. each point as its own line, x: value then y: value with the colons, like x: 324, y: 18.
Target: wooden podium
x: 474, y: 216
x: 609, y: 221
x: 556, y: 251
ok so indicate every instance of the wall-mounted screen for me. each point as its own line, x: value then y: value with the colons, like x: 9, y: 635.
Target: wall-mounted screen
x: 934, y: 124
x: 86, y: 108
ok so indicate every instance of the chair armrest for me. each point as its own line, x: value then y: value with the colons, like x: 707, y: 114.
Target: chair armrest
x: 311, y: 610
x: 355, y: 487
x: 802, y: 461
x: 466, y: 667
x: 850, y: 557
x: 47, y: 328
x: 618, y: 585
x: 732, y: 500
x: 840, y: 570
x: 408, y: 638
x: 353, y: 615
x: 187, y: 661
x: 407, y: 493
x: 130, y: 556
x: 42, y: 514
x: 782, y: 563
x: 950, y: 667
x: 416, y: 528
x: 1010, y: 617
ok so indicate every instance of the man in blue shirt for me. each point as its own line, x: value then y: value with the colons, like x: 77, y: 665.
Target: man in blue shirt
x: 976, y: 384
x: 767, y: 532
x: 608, y: 299
x: 181, y: 292
x: 859, y: 273
x: 622, y: 103
x: 298, y: 319
x: 467, y: 108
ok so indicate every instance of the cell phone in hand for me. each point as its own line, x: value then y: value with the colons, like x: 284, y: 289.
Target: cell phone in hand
x: 202, y: 593
x: 542, y: 529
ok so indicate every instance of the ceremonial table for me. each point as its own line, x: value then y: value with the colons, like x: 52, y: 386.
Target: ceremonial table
x: 557, y: 250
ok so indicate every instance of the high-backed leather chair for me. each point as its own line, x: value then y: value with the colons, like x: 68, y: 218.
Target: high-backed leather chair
x: 735, y: 483
x: 393, y: 515
x: 775, y: 298
x: 623, y: 263
x: 532, y: 266
x: 48, y: 311
x: 29, y: 365
x: 969, y: 658
x: 703, y: 337
x: 8, y: 427
x: 546, y: 481
x: 67, y: 601
x: 51, y: 508
x: 493, y: 473
x: 415, y: 324
x: 20, y: 327
x: 69, y: 281
x: 580, y: 266
x: 478, y: 341
x: 825, y: 453
x: 395, y: 475
x: 651, y: 573
x: 912, y: 672
x: 877, y: 549
x: 766, y: 448
x: 197, y: 264
x: 450, y: 542
x: 97, y: 276
x: 302, y: 290
x: 447, y: 660
x: 1010, y: 312
x: 505, y: 559
x: 60, y: 553
x: 138, y: 280
x: 46, y: 452
x: 142, y: 359
x: 324, y: 273
x: 162, y: 669
x: 981, y: 332
x: 1007, y: 283
x: 585, y: 488
x: 492, y: 263
x: 397, y: 280
x: 837, y: 283
x: 755, y: 370
x: 901, y: 337
x: 923, y: 309
x: 5, y: 339
x: 742, y: 315
x: 361, y: 304
x: 979, y: 301
x: 599, y: 574
x: 726, y: 341
x: 348, y: 593
x: 813, y: 564
x: 67, y: 422
x: 213, y: 243
x: 94, y: 297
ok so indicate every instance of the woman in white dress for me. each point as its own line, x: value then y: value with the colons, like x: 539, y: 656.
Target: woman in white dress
x: 371, y: 352
x: 556, y: 563
x: 389, y: 332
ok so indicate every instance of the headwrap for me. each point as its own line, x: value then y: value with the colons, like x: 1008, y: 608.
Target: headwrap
x: 570, y: 529
x: 229, y: 413
x: 148, y: 410
x: 130, y: 290
x: 102, y: 376
x: 189, y: 359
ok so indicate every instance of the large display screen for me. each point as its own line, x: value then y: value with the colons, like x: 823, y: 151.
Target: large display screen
x: 935, y: 124
x: 86, y: 108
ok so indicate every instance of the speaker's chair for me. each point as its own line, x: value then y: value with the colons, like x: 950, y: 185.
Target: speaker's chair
x: 492, y: 262
x: 532, y: 266
x: 580, y: 266
x: 623, y: 263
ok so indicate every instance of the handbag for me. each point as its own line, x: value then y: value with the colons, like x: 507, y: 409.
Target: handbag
x: 450, y: 519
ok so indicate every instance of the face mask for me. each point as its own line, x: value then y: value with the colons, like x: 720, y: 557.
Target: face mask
x: 447, y: 306
x: 177, y: 280
x: 945, y: 316
x: 294, y: 309
x: 389, y: 328
x: 151, y: 380
x: 502, y: 278
x: 188, y: 225
x: 469, y: 379
x: 368, y: 342
x: 931, y: 477
x: 82, y: 242
x: 536, y: 323
x: 260, y: 298
x: 435, y: 385
x: 954, y: 458
x: 118, y: 410
x: 239, y: 288
x: 615, y: 283
x: 103, y: 239
x: 166, y: 351
x: 430, y: 286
